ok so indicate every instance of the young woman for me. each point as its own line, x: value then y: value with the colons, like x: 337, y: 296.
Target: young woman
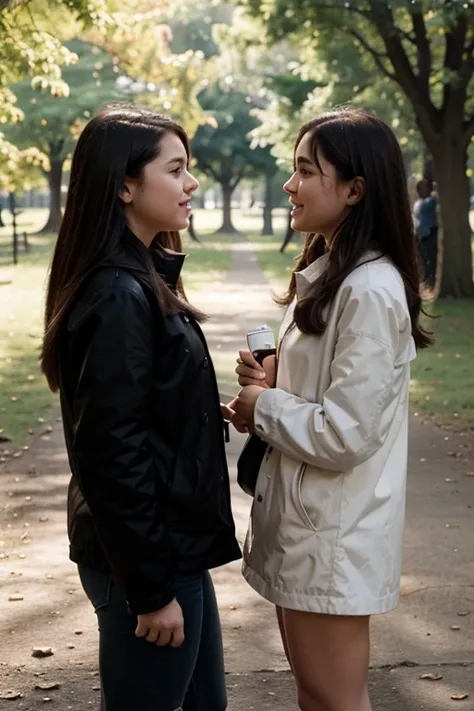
x: 325, y: 543
x: 149, y: 506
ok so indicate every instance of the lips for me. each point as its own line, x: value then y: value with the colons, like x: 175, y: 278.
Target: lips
x: 296, y: 207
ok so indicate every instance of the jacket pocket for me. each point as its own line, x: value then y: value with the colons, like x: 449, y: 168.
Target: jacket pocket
x: 97, y: 585
x: 302, y: 510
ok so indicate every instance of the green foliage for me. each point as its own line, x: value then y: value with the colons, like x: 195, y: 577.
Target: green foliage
x: 222, y: 148
x: 52, y: 123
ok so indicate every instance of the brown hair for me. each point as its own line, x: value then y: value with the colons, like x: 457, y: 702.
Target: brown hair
x: 357, y: 143
x: 119, y: 142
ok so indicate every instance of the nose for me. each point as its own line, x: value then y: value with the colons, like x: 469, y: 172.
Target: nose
x: 289, y: 187
x: 191, y: 184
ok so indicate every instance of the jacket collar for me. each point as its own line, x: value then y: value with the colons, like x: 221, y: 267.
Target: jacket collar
x: 131, y: 256
x: 306, y: 277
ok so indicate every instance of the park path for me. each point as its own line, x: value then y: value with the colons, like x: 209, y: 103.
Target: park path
x: 432, y: 631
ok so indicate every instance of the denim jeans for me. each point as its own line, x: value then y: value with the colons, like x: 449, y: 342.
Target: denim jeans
x: 137, y: 675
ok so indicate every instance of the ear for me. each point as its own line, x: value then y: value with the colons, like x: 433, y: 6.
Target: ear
x: 127, y: 191
x: 356, y: 191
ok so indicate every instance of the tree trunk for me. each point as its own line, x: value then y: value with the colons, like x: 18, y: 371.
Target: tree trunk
x: 227, y: 227
x: 453, y: 188
x: 428, y: 169
x: 268, y: 207
x: 54, y: 181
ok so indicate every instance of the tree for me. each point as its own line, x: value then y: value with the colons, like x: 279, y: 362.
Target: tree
x: 222, y: 148
x: 29, y: 49
x: 52, y: 123
x: 156, y: 76
x: 427, y: 50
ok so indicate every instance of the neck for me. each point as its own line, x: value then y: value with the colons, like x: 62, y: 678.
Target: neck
x: 141, y: 230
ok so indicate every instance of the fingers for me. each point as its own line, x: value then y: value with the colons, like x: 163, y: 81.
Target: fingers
x: 243, y: 381
x: 141, y: 630
x: 227, y: 412
x: 248, y: 359
x: 164, y: 638
x: 178, y: 637
x: 153, y: 635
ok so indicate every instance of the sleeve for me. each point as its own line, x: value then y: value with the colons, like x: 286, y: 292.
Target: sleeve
x: 354, y: 417
x: 116, y: 470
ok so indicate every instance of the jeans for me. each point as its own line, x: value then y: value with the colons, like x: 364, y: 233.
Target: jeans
x: 137, y: 675
x: 429, y: 256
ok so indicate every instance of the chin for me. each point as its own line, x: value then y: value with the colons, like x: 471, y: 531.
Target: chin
x: 299, y: 225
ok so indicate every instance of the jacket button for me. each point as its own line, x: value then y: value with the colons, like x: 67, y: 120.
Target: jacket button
x: 259, y: 498
x: 205, y: 418
x: 205, y: 362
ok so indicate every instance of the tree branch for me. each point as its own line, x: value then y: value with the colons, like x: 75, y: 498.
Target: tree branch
x: 429, y: 118
x: 454, y: 91
x: 239, y: 177
x: 207, y: 167
x: 377, y: 56
x: 423, y: 49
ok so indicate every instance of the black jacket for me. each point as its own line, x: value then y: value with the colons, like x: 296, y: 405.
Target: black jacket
x: 149, y: 495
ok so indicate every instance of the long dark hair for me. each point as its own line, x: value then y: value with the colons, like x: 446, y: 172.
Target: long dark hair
x: 357, y: 143
x: 119, y: 142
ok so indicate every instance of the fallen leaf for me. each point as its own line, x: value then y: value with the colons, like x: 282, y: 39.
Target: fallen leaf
x: 10, y: 695
x: 15, y: 598
x: 463, y: 613
x: 46, y: 699
x: 459, y: 697
x: 41, y: 652
x: 455, y: 628
x: 469, y: 473
x: 431, y: 677
x: 48, y: 686
x: 78, y: 632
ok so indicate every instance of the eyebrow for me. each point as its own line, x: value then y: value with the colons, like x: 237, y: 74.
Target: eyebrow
x: 180, y: 160
x: 306, y: 161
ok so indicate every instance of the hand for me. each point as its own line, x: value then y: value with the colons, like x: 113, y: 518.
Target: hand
x: 231, y: 415
x: 245, y: 403
x: 163, y: 627
x: 250, y: 372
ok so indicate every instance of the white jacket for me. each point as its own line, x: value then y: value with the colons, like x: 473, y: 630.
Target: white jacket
x: 328, y: 516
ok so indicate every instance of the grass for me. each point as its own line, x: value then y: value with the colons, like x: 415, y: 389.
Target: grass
x: 443, y: 375
x: 24, y: 396
x: 25, y: 400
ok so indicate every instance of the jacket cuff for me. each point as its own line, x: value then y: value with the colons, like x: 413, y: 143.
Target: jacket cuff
x: 266, y: 412
x: 152, y: 604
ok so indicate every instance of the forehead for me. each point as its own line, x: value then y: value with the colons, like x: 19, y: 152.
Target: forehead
x: 171, y: 146
x: 304, y: 147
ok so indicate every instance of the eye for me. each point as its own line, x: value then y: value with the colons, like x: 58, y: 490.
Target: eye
x: 303, y: 171
x: 177, y: 171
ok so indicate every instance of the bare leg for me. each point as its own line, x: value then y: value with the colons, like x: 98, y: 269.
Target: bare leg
x: 330, y: 659
x: 281, y: 625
